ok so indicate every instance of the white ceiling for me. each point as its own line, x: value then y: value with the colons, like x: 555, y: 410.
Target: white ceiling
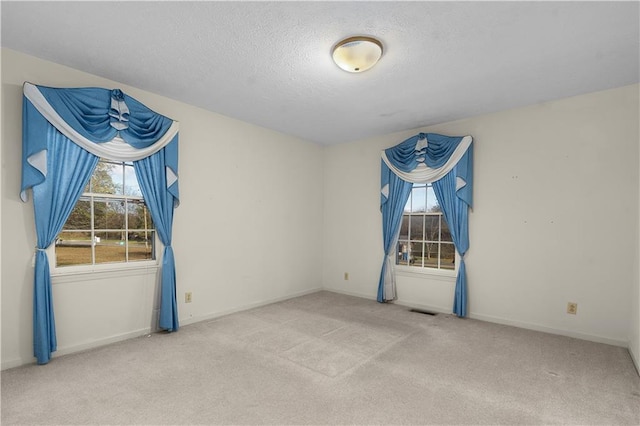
x: 269, y: 63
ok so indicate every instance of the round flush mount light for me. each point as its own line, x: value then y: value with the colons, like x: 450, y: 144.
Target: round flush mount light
x: 357, y: 54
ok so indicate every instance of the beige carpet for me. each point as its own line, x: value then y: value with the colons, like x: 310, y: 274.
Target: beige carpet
x: 327, y: 358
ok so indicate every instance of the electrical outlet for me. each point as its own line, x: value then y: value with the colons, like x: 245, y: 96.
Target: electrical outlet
x: 187, y: 297
x: 572, y: 308
x: 346, y: 276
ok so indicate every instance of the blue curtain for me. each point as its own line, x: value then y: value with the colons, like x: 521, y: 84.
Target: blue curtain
x: 456, y: 212
x: 69, y: 170
x: 57, y: 169
x: 453, y: 189
x: 161, y: 200
x: 392, y: 205
x: 455, y: 202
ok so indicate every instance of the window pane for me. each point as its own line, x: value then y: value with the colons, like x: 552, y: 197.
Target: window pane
x: 141, y: 245
x: 109, y: 214
x: 407, y: 207
x: 117, y: 177
x: 131, y: 186
x: 446, y: 233
x: 123, y: 228
x: 73, y: 248
x: 431, y: 255
x: 110, y: 247
x: 417, y: 231
x: 80, y: 217
x: 107, y: 178
x: 432, y: 227
x: 432, y: 202
x: 139, y: 216
x: 404, y: 228
x: 447, y: 256
x: 418, y: 199
x: 403, y: 253
x: 416, y: 254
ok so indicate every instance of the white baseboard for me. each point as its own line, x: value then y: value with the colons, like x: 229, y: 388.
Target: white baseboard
x: 350, y: 293
x: 551, y: 330
x: 78, y: 348
x: 13, y: 363
x: 503, y: 321
x: 248, y: 306
x: 636, y: 359
x: 143, y: 331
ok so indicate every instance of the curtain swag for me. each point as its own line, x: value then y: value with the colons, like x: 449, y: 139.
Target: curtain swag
x: 64, y: 133
x: 447, y: 163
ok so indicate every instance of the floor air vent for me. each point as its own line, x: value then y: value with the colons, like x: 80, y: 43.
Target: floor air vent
x: 422, y: 311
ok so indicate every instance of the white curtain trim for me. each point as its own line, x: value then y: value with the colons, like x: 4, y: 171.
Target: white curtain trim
x: 424, y: 174
x: 385, y: 191
x: 390, y: 279
x: 39, y: 162
x: 171, y: 176
x: 116, y: 149
x: 390, y: 274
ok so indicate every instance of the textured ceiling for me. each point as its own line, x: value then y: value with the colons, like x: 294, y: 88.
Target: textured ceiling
x: 269, y: 63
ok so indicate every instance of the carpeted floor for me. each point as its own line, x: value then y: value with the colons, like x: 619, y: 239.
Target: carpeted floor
x: 328, y: 358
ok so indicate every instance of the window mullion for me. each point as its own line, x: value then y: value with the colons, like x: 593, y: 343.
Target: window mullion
x: 424, y: 226
x: 112, y: 198
x: 93, y: 233
x: 126, y: 229
x: 439, y: 239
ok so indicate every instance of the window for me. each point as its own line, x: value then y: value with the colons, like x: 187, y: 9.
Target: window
x: 110, y: 223
x: 424, y: 240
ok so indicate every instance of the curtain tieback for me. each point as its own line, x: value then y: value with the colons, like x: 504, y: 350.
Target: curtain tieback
x: 33, y: 259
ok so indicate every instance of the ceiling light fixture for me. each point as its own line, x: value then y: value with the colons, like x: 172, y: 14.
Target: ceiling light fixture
x: 357, y: 54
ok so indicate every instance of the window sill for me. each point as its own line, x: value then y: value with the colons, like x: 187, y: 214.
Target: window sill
x: 107, y: 271
x: 447, y: 275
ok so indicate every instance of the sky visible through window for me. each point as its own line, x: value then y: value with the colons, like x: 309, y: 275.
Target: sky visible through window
x: 417, y: 201
x: 126, y: 180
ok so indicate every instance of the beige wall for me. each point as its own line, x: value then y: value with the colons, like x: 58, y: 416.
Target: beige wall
x: 248, y: 197
x: 634, y: 332
x: 555, y: 217
x: 555, y: 220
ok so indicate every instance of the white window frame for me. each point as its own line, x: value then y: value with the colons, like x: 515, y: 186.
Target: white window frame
x: 99, y: 268
x: 421, y: 271
x: 103, y: 267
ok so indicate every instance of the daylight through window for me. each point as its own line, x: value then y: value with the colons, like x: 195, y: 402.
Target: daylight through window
x: 110, y: 223
x: 424, y: 240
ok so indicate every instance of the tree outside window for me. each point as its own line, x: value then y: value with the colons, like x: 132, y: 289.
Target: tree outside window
x: 110, y: 222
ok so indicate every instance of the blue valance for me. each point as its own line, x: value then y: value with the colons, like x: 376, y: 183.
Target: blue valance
x: 407, y: 155
x: 428, y: 157
x: 100, y: 114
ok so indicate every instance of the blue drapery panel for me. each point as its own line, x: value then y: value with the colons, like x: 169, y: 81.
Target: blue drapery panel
x: 161, y: 201
x: 392, y: 204
x: 431, y: 158
x: 65, y: 131
x: 53, y: 201
x: 456, y: 212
